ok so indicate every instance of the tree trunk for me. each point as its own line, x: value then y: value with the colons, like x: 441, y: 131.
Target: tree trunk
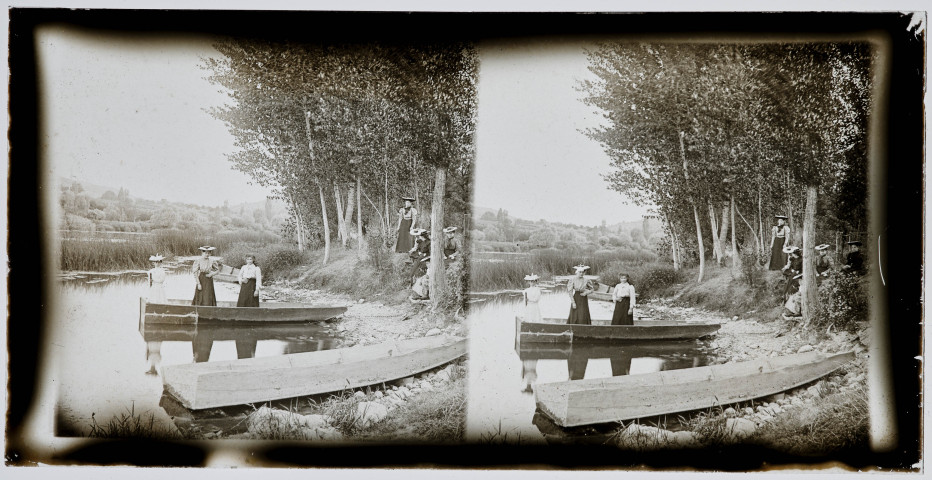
x: 809, y: 286
x: 341, y: 227
x: 723, y: 228
x: 350, y: 209
x: 675, y: 246
x: 359, y: 240
x: 760, y: 220
x: 323, y: 213
x: 695, y: 213
x: 716, y: 244
x: 388, y: 213
x: 735, y: 258
x: 438, y: 278
x: 757, y: 243
x: 298, y: 230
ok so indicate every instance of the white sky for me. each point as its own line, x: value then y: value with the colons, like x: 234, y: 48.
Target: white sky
x: 532, y: 159
x: 129, y: 111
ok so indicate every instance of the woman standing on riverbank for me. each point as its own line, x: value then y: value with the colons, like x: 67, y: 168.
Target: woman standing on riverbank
x: 204, y: 270
x: 579, y: 289
x: 778, y: 235
x: 156, y: 281
x: 624, y: 299
x: 250, y: 280
x: 407, y: 220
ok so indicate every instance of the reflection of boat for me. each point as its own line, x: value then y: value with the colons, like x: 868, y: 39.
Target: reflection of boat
x: 563, y: 351
x: 586, y: 402
x: 227, y: 274
x: 181, y: 312
x: 162, y: 332
x: 238, y: 382
x: 551, y: 332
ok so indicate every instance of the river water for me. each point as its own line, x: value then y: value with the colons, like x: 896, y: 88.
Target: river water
x: 102, y: 365
x: 502, y: 375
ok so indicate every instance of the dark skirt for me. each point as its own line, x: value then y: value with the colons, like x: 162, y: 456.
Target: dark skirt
x: 405, y: 241
x: 205, y: 296
x: 247, y: 297
x: 777, y: 257
x: 580, y: 314
x: 621, y: 316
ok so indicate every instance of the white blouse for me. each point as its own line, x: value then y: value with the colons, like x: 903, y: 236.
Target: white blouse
x: 251, y: 271
x: 624, y: 290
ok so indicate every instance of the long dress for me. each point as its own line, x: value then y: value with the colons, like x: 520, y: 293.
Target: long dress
x: 621, y: 316
x: 252, y: 277
x: 580, y: 314
x: 777, y: 257
x: 157, y: 286
x: 206, y: 295
x: 419, y: 268
x: 532, y: 307
x: 405, y: 241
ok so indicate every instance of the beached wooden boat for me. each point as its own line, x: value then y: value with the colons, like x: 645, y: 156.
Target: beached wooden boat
x: 238, y: 382
x: 558, y: 331
x: 586, y: 402
x: 181, y: 312
x: 602, y: 292
x: 227, y: 274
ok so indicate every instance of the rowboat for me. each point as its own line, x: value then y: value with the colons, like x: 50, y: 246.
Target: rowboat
x: 558, y: 331
x: 601, y: 400
x: 181, y: 312
x: 227, y: 274
x: 601, y: 292
x: 238, y: 382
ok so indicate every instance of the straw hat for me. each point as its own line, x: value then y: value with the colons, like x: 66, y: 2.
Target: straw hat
x: 410, y: 199
x: 581, y: 268
x: 417, y: 231
x: 156, y: 258
x: 824, y: 246
x: 790, y: 249
x: 784, y: 217
x: 449, y: 229
x: 855, y: 242
x: 531, y: 278
x: 206, y: 248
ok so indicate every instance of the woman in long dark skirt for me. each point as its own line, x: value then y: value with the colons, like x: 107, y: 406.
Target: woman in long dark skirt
x: 204, y: 270
x: 407, y: 219
x: 579, y: 289
x: 250, y: 280
x: 624, y: 299
x: 778, y: 237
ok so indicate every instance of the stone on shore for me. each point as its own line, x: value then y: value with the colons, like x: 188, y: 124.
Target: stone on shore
x: 432, y: 332
x: 368, y: 413
x: 738, y: 428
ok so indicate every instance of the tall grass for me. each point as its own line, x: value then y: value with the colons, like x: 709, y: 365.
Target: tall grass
x: 130, y: 425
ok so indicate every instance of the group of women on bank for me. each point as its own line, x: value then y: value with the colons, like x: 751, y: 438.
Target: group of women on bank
x: 204, y: 269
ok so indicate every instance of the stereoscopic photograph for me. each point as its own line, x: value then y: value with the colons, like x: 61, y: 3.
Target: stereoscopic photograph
x: 509, y: 240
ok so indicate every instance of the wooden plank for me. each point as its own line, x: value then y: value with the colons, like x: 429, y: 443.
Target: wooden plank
x: 609, y: 333
x: 175, y: 313
x: 586, y: 402
x: 237, y: 382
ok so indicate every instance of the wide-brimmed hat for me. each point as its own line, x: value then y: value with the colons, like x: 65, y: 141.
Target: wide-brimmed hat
x: 855, y: 242
x: 824, y: 246
x: 206, y: 248
x: 790, y: 249
x: 449, y: 229
x: 531, y: 278
x: 410, y: 199
x: 156, y: 258
x: 781, y: 216
x: 417, y: 231
x: 581, y: 268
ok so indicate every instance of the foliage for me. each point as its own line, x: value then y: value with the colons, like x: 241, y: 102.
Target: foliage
x: 843, y: 303
x: 130, y: 425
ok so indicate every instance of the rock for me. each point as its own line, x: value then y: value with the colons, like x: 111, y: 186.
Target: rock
x: 362, y: 300
x: 427, y: 387
x: 739, y: 427
x: 748, y: 411
x: 378, y: 394
x: 443, y: 376
x: 359, y: 395
x: 815, y: 391
x: 405, y: 382
x: 340, y: 328
x: 394, y: 387
x: 272, y: 423
x: 776, y: 409
x: 368, y: 413
x: 804, y: 349
x: 730, y: 412
x: 415, y: 390
x: 432, y: 332
x: 776, y: 397
x: 403, y: 392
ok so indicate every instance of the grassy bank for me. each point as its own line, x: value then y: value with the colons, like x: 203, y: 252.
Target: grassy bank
x: 105, y: 254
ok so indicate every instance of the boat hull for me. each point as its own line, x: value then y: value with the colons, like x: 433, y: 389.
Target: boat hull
x: 533, y: 332
x: 238, y: 382
x: 178, y: 314
x: 586, y: 402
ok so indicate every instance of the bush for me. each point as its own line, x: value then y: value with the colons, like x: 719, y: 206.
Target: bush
x: 279, y: 259
x: 842, y: 302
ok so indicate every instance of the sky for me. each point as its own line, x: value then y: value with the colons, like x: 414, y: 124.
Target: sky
x: 532, y: 159
x: 128, y: 111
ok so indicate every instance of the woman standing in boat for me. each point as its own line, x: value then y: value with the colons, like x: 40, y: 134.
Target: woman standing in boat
x: 250, y: 280
x: 204, y: 270
x: 156, y: 280
x: 778, y: 235
x: 532, y: 299
x: 579, y: 289
x: 624, y: 299
x: 407, y: 219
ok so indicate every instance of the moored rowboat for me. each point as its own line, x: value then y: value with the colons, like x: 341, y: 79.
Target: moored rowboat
x: 181, y: 312
x: 237, y: 382
x: 227, y: 274
x: 586, y: 402
x: 534, y: 332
